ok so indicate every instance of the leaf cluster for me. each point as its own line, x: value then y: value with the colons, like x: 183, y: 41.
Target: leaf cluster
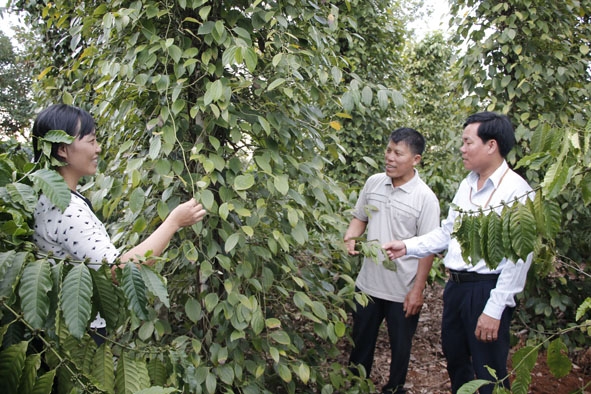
x: 523, y: 361
x: 46, y: 308
x: 513, y: 233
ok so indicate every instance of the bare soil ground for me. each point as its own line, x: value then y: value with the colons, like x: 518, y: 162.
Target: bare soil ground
x: 427, y: 371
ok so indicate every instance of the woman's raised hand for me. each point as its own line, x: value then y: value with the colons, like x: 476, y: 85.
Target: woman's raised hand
x: 187, y: 213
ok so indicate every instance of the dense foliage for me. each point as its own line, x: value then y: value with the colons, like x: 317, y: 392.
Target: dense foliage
x: 15, y: 79
x: 430, y: 72
x: 256, y: 109
x: 233, y: 103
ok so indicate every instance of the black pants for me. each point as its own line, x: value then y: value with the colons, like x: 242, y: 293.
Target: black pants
x: 366, y: 325
x: 98, y: 335
x: 466, y: 356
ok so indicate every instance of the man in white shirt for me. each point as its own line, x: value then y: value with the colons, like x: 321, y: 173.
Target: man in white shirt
x: 478, y: 301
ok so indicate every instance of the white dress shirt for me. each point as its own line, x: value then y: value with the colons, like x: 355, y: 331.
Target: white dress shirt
x: 503, y: 185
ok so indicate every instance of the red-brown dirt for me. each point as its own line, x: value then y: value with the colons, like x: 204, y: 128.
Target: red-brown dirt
x: 427, y: 370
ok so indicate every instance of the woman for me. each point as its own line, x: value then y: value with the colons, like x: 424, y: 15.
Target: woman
x: 77, y: 232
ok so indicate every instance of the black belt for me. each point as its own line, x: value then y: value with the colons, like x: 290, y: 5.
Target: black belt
x: 465, y: 276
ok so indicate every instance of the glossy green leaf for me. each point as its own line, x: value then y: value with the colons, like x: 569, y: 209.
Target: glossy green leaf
x: 175, y: 53
x: 207, y: 199
x: 243, y: 182
x: 204, y: 12
x: 135, y: 290
x: 265, y: 124
x: 22, y: 194
x: 155, y: 284
x: 496, y: 252
x: 155, y: 146
x: 11, y: 264
x: 507, y: 240
x: 29, y: 375
x: 193, y: 310
x: 75, y: 300
x: 337, y: 75
x: 250, y: 58
x: 276, y: 83
x: 157, y: 371
x: 303, y: 372
x: 558, y: 359
x: 555, y: 180
x: 136, y: 200
x: 583, y: 308
x: 231, y: 242
x: 213, y: 93
x: 33, y: 290
x: 366, y: 96
x: 103, y: 368
x: 281, y: 337
x: 257, y: 322
x: 81, y: 350
x: 483, y: 235
x: 523, y: 231
x: 58, y: 137
x: 523, y: 361
x: 157, y: 390
x: 131, y: 376
x: 472, y: 386
x: 53, y: 186
x: 467, y: 234
x: 44, y: 383
x: 12, y: 363
x: 586, y: 188
x: 210, y: 383
x: 106, y: 296
x: 211, y: 301
x: 284, y: 372
x: 281, y: 183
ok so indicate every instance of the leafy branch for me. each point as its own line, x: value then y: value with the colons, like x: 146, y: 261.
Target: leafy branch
x: 524, y: 360
x: 519, y: 229
x: 9, y: 354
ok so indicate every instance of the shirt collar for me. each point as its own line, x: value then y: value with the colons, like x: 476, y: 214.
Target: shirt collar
x: 408, y: 186
x: 495, y: 177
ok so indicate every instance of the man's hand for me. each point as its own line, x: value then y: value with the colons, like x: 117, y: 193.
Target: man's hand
x: 413, y: 302
x: 356, y: 228
x: 394, y: 249
x: 350, y: 243
x: 487, y: 328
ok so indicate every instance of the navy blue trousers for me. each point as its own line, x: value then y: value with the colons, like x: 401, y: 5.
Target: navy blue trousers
x: 466, y: 356
x: 366, y: 325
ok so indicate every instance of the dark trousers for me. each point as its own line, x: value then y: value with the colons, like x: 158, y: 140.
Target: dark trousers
x: 366, y: 325
x: 98, y: 335
x: 466, y: 356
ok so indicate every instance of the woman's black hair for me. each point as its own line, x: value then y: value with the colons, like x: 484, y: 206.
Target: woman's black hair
x: 72, y: 120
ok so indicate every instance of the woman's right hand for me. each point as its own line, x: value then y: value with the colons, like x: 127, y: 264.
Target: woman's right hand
x: 187, y: 213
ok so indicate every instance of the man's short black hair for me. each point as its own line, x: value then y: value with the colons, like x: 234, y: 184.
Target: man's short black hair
x: 411, y: 137
x: 494, y: 126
